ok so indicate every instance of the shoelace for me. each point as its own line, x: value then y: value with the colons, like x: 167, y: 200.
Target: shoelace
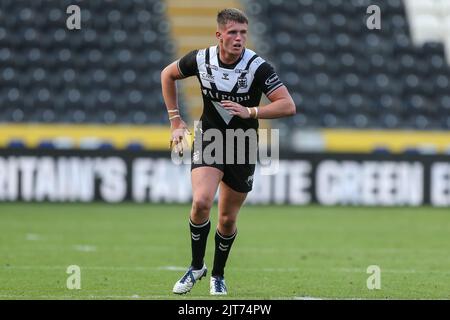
x: 219, y: 285
x: 186, y: 275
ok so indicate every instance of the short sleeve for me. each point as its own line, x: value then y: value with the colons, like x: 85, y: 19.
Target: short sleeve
x: 187, y: 65
x: 267, y: 79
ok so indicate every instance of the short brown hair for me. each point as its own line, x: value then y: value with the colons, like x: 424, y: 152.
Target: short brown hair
x: 231, y: 14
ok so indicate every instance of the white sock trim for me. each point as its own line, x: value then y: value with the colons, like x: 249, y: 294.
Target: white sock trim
x: 226, y: 238
x: 198, y: 225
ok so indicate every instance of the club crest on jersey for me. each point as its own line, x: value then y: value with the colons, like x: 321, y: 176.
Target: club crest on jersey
x: 225, y: 76
x: 242, y: 83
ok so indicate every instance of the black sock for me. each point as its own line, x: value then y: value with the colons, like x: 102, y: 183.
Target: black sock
x: 199, y: 235
x: 223, y: 247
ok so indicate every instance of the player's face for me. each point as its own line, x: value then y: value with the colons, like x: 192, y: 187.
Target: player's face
x: 233, y: 37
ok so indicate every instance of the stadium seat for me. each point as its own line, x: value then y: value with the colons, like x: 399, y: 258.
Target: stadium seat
x: 349, y: 77
x: 339, y: 73
x: 50, y: 74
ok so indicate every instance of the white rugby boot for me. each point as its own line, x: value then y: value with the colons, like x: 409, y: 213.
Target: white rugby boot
x: 217, y: 286
x: 185, y: 284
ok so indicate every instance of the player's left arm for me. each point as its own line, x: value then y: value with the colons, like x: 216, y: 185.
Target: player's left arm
x: 281, y: 103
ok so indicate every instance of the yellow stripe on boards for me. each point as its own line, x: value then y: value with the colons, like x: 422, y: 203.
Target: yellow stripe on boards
x: 151, y: 137
x: 394, y: 140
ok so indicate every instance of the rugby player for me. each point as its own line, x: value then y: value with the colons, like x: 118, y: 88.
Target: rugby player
x: 232, y: 80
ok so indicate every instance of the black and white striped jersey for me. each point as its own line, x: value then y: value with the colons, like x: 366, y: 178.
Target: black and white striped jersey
x: 243, y: 82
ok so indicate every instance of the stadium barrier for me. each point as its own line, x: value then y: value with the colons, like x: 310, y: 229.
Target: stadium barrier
x: 301, y: 179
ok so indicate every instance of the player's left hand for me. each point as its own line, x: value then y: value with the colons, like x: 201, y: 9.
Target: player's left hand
x: 235, y: 109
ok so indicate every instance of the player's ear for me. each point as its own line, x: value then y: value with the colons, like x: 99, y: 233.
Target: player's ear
x: 219, y: 36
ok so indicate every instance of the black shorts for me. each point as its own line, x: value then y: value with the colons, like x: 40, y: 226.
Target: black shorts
x: 237, y: 175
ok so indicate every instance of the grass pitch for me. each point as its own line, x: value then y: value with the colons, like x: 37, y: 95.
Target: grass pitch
x: 130, y: 251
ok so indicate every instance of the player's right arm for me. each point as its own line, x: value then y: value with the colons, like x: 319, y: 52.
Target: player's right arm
x: 177, y: 70
x: 169, y: 76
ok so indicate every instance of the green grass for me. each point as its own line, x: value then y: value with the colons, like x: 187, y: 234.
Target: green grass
x: 280, y: 253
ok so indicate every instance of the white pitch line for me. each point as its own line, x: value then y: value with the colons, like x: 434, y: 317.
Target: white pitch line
x: 140, y: 268
x: 307, y: 298
x: 32, y: 237
x: 332, y: 250
x: 85, y: 248
x: 181, y: 268
x: 86, y: 267
x: 172, y: 268
x: 274, y: 269
x: 177, y: 268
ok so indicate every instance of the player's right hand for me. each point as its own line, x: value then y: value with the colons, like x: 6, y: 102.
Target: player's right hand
x: 179, y: 140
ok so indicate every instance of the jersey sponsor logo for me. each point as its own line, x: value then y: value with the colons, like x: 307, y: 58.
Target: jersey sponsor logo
x: 223, y: 96
x: 273, y: 79
x: 206, y: 76
x: 225, y: 76
x: 240, y: 71
x: 212, y: 66
x: 242, y: 83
